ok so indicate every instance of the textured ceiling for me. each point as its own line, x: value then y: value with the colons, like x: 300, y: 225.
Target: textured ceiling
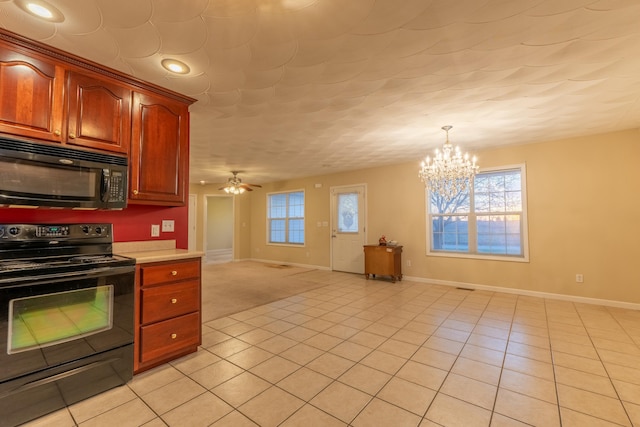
x: 292, y: 88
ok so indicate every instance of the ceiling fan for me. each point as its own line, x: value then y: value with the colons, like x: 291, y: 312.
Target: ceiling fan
x: 236, y: 186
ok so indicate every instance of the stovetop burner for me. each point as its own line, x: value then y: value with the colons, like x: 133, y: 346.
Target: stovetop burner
x: 29, y: 250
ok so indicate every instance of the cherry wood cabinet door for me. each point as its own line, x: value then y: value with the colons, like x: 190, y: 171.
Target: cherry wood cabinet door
x: 99, y: 113
x: 31, y: 90
x: 159, y: 157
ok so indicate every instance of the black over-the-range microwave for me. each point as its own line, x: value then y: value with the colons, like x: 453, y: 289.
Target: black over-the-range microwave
x: 47, y: 175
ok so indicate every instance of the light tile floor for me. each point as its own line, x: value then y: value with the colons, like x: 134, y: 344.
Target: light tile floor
x: 375, y: 353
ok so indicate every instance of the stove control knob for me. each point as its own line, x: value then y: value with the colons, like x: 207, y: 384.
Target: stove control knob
x: 98, y: 230
x: 85, y: 229
x: 14, y: 231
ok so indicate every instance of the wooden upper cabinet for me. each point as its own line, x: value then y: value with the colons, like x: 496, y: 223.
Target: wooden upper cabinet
x: 31, y: 91
x: 159, y: 158
x: 35, y: 103
x: 50, y: 95
x: 99, y: 113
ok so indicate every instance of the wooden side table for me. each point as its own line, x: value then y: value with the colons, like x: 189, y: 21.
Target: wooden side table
x: 383, y: 261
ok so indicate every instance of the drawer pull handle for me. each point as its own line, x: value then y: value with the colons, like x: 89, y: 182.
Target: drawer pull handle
x: 174, y: 300
x: 174, y: 273
x: 174, y: 336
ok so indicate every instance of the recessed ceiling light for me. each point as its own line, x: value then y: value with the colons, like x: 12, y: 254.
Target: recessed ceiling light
x: 175, y: 66
x: 40, y: 9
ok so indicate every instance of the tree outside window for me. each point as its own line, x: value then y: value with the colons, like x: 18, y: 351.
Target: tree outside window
x: 489, y: 220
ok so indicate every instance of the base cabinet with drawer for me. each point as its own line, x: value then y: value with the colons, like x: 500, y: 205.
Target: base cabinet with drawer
x: 168, y: 318
x: 383, y: 261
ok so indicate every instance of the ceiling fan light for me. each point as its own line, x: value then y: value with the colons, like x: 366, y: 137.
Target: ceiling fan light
x: 235, y: 185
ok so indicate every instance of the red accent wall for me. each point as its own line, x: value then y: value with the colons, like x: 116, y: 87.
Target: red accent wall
x: 129, y: 225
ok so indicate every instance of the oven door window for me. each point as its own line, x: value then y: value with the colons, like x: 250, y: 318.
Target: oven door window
x: 46, y: 320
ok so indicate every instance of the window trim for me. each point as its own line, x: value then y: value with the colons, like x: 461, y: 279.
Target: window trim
x: 304, y: 218
x: 493, y: 257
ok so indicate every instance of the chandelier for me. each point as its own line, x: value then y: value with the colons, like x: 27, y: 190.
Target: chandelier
x: 450, y: 172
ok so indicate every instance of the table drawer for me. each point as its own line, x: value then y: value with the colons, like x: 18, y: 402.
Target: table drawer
x: 165, y: 302
x: 162, y: 338
x: 166, y: 273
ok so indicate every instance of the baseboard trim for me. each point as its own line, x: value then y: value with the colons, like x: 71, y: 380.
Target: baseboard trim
x: 524, y: 292
x: 217, y: 256
x: 294, y: 264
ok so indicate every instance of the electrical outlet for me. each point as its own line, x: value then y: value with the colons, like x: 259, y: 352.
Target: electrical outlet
x: 579, y: 278
x: 408, y: 263
x: 155, y: 230
x: 168, y: 225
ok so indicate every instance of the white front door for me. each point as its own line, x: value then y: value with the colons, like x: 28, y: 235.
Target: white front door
x: 348, y: 228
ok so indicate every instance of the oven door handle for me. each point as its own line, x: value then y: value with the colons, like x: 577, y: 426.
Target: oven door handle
x: 57, y: 277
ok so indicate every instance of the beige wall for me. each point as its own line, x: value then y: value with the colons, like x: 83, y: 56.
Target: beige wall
x: 583, y: 199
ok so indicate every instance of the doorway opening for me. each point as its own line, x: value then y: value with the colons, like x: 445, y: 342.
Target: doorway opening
x: 218, y: 228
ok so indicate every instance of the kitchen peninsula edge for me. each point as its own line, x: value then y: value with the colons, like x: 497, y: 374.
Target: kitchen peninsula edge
x: 153, y: 251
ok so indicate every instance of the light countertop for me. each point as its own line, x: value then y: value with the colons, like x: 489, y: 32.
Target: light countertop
x: 153, y: 251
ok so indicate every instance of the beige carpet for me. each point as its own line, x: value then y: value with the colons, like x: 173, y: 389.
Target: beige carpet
x: 236, y: 286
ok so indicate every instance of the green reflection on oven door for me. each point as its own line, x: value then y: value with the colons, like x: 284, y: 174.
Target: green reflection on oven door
x: 46, y: 320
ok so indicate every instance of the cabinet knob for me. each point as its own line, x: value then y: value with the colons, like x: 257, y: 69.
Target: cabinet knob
x: 57, y: 132
x: 135, y: 191
x: 174, y: 300
x: 72, y: 135
x: 174, y: 273
x: 174, y: 336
